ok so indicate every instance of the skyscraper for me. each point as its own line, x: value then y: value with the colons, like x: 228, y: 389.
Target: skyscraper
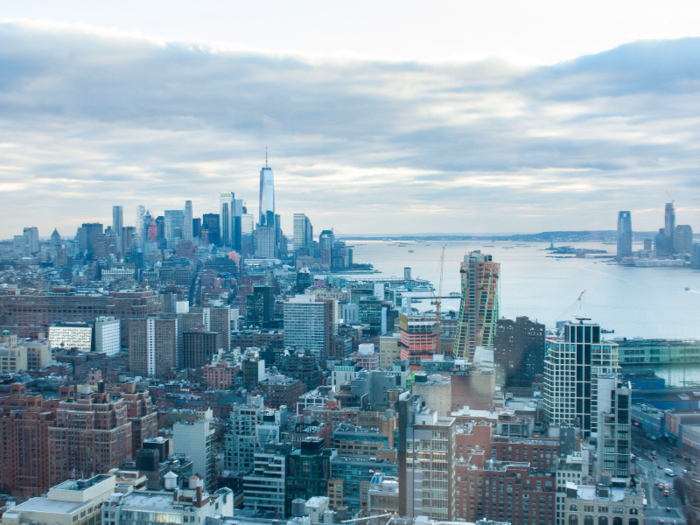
x: 211, y: 224
x: 32, y: 236
x: 572, y: 367
x: 87, y: 237
x: 117, y: 225
x: 187, y: 224
x: 683, y: 239
x: 325, y: 246
x: 237, y: 225
x: 174, y: 224
x: 303, y: 234
x: 624, y: 234
x: 478, y: 311
x: 153, y: 345
x: 670, y: 224
x: 310, y: 324
x: 226, y: 209
x: 267, y: 195
x: 55, y: 240
x: 518, y: 351
x: 140, y: 226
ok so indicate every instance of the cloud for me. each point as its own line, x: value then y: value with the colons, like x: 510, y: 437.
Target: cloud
x: 90, y: 118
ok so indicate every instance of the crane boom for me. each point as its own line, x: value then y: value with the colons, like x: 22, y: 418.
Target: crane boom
x: 437, y: 301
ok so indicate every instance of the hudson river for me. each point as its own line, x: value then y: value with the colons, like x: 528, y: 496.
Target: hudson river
x: 635, y: 302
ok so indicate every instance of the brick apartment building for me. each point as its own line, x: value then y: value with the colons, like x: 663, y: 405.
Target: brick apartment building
x: 45, y: 442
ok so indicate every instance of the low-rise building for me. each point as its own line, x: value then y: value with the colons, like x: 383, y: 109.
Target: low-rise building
x: 73, y: 502
x: 192, y: 505
x: 597, y: 505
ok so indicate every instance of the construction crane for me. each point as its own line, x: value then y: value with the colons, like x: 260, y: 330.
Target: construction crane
x: 437, y: 302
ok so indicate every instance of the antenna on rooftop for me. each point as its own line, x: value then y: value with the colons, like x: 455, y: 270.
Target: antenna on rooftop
x: 266, y: 155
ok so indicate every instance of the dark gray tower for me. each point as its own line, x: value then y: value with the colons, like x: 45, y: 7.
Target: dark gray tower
x: 624, y: 234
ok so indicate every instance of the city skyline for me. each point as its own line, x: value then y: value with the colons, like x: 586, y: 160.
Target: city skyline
x: 461, y: 285
x: 564, y: 146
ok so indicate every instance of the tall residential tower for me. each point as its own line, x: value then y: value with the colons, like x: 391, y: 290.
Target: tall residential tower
x: 573, y: 366
x: 478, y: 311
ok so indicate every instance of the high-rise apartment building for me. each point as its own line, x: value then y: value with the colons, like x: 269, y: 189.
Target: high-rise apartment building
x: 572, y: 366
x: 242, y: 439
x: 91, y: 433
x: 614, y: 426
x: 264, y: 487
x: 196, y: 440
x: 478, y: 310
x: 426, y: 465
x: 518, y: 351
x: 683, y: 239
x: 310, y: 324
x: 187, y: 223
x: 267, y: 196
x: 199, y: 347
x: 418, y: 339
x: 260, y: 306
x: 624, y: 234
x: 221, y: 319
x: 24, y: 438
x: 153, y: 345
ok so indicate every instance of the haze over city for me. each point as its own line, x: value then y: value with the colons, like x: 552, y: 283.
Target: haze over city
x: 460, y: 119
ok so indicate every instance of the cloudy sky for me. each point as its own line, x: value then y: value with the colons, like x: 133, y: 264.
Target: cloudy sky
x: 407, y: 117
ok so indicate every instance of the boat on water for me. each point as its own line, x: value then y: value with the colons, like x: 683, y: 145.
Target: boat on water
x: 455, y: 294
x: 687, y: 289
x: 411, y: 251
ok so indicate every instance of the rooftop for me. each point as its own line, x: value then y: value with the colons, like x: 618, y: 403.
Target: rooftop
x: 50, y: 506
x: 588, y: 493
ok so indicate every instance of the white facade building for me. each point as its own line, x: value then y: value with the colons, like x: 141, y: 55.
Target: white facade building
x: 309, y: 325
x: 181, y: 506
x: 107, y: 336
x: 116, y: 274
x: 196, y: 440
x: 71, y: 335
x: 73, y: 502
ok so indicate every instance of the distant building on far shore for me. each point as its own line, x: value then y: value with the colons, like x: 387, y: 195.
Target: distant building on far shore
x: 624, y: 234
